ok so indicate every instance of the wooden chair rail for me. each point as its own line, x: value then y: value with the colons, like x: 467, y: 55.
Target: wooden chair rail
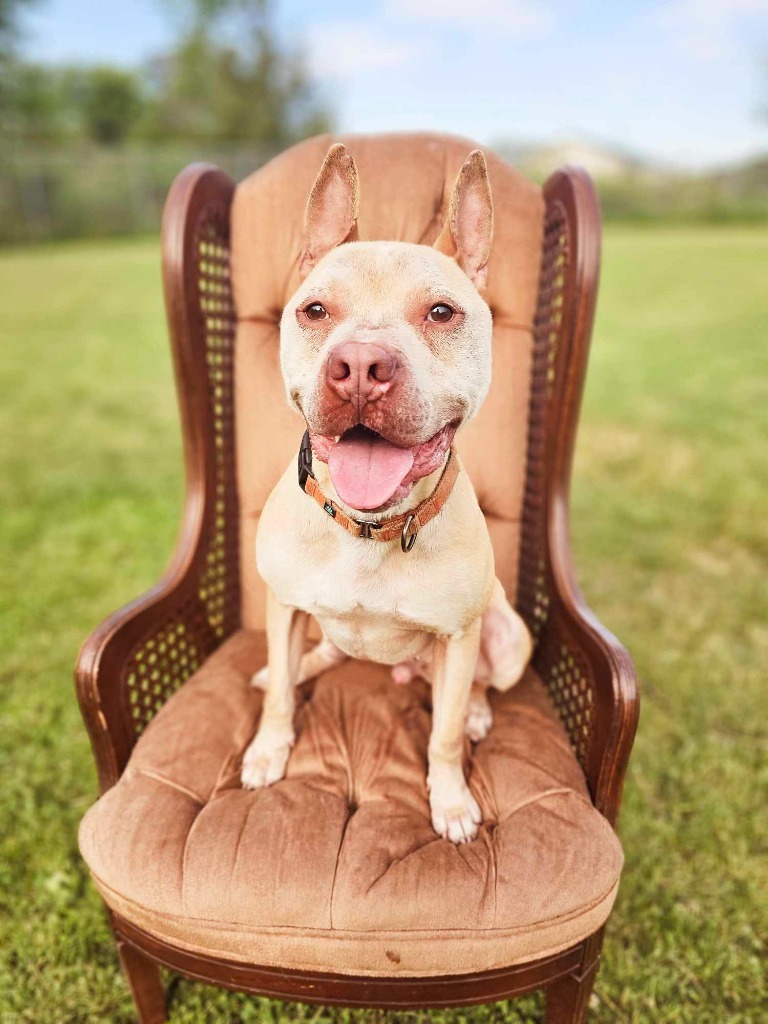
x: 364, y: 992
x: 142, y: 653
x: 590, y: 676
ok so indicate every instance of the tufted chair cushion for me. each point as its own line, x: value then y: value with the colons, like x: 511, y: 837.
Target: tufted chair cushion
x: 337, y: 868
x: 405, y: 183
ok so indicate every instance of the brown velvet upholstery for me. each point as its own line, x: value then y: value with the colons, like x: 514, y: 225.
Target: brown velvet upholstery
x: 337, y: 867
x: 405, y: 185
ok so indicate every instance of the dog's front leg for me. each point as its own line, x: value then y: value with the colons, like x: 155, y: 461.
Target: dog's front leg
x: 265, y: 759
x: 455, y: 813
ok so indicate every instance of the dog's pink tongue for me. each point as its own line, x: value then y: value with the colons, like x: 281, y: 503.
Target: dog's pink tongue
x: 366, y: 470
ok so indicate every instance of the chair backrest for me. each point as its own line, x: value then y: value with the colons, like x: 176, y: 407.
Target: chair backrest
x: 405, y: 183
x: 239, y: 434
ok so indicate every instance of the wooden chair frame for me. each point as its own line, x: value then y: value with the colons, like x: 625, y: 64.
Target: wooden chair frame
x: 132, y: 662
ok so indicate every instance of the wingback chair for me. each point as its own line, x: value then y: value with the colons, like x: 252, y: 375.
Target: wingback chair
x: 331, y: 886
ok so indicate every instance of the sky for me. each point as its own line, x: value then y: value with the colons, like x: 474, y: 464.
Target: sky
x: 680, y: 81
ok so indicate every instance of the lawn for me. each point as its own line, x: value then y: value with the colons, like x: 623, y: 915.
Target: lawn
x: 669, y: 518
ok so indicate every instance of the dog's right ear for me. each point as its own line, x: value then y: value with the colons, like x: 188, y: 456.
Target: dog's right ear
x: 331, y: 215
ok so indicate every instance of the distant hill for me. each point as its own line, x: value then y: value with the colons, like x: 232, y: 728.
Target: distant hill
x: 602, y: 162
x: 637, y: 188
x: 747, y: 179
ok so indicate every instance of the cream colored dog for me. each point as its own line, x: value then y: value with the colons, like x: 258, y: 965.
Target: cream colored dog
x: 385, y: 351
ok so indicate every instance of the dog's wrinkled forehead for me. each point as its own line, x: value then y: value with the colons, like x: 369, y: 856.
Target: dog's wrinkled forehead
x: 387, y: 280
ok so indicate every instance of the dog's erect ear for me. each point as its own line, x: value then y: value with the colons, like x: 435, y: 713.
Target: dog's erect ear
x: 468, y: 232
x: 331, y: 215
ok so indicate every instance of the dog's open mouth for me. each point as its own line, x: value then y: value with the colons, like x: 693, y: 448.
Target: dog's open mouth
x: 370, y: 473
x: 366, y: 469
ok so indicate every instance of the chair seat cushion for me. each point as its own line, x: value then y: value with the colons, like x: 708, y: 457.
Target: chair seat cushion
x: 337, y: 867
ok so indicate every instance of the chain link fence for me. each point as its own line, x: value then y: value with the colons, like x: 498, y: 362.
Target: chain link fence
x: 99, y: 192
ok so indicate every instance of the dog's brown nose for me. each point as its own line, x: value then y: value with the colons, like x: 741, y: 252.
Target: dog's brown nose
x: 360, y: 371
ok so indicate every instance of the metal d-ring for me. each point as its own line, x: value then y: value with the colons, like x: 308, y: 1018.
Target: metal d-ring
x: 408, y: 539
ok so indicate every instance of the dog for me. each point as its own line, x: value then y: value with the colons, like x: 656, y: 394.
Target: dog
x: 385, y: 351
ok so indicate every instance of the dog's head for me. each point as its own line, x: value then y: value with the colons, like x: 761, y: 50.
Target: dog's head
x: 386, y: 346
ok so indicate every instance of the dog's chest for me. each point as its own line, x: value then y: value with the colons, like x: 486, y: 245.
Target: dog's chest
x: 369, y: 595
x: 359, y: 579
x: 363, y: 601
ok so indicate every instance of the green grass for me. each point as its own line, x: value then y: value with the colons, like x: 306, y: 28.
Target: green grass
x: 669, y: 530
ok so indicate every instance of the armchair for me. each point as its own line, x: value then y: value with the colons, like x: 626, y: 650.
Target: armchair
x: 142, y: 658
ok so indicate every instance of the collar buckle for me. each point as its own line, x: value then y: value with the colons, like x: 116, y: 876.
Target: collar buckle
x: 366, y: 527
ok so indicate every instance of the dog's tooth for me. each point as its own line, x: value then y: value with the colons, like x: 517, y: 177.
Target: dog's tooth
x: 337, y: 438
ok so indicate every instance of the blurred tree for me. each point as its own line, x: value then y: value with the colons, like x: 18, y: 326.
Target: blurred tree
x: 109, y: 102
x: 55, y: 104
x: 33, y: 110
x: 9, y: 13
x: 231, y: 79
x: 9, y: 34
x: 228, y: 79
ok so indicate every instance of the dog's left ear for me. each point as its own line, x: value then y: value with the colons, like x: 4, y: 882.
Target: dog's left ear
x: 468, y: 232
x: 331, y: 214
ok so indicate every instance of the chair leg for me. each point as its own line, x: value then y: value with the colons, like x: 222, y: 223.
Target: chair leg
x: 145, y: 983
x: 568, y: 999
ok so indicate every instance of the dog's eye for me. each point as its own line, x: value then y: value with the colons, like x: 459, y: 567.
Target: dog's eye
x: 440, y: 313
x: 315, y: 311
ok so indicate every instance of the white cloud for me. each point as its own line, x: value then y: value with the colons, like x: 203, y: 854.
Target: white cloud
x: 517, y: 17
x: 704, y: 27
x: 343, y: 48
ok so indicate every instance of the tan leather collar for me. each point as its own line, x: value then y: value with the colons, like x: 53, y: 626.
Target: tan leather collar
x: 406, y: 526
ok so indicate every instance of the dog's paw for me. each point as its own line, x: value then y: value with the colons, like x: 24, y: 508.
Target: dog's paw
x: 259, y: 679
x: 264, y: 763
x: 479, y: 718
x: 456, y: 819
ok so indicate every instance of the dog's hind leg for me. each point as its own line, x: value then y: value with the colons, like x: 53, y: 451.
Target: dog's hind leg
x: 479, y: 714
x: 323, y: 656
x: 505, y: 644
